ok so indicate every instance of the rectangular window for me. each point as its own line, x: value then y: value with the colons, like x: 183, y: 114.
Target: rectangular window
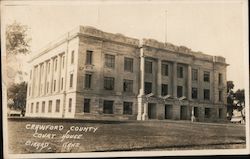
x: 220, y: 96
x: 147, y: 87
x: 89, y: 57
x: 220, y: 79
x: 37, y: 107
x: 109, y: 83
x: 194, y: 74
x: 50, y: 106
x: 31, y: 108
x: 127, y: 108
x: 110, y: 61
x: 179, y: 71
x: 164, y: 69
x: 220, y: 113
x: 43, y: 106
x: 128, y: 64
x: 206, y: 94
x: 58, y: 105
x: 194, y: 93
x: 108, y: 107
x: 71, y: 80
x: 148, y: 66
x: 72, y: 56
x: 54, y: 85
x: 62, y: 84
x: 207, y: 112
x: 86, y: 106
x: 87, y: 84
x: 164, y: 89
x: 206, y: 76
x: 70, y: 105
x: 179, y: 91
x: 127, y: 85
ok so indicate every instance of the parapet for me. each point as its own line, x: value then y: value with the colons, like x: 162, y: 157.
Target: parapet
x: 120, y: 38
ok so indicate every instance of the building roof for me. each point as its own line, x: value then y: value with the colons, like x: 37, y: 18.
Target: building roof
x: 120, y: 38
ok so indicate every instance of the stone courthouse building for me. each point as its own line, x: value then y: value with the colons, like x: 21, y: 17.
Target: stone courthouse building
x: 92, y: 74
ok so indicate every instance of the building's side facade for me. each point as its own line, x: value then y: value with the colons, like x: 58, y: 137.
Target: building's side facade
x: 97, y: 75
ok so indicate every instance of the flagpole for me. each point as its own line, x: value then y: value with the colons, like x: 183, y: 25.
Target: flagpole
x: 166, y: 26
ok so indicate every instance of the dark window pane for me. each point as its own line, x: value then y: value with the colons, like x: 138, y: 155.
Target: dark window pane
x: 220, y: 79
x: 164, y: 69
x: 164, y: 89
x: 70, y: 104
x: 148, y: 66
x: 206, y: 76
x: 72, y: 56
x: 87, y: 80
x: 206, y: 94
x: 127, y: 85
x: 148, y: 87
x: 194, y: 93
x: 179, y: 91
x: 57, y: 105
x: 108, y: 107
x: 109, y: 83
x: 89, y: 57
x: 128, y: 64
x: 86, y: 106
x: 194, y: 74
x: 71, y: 80
x: 110, y: 61
x: 179, y: 71
x: 127, y: 108
x: 207, y: 112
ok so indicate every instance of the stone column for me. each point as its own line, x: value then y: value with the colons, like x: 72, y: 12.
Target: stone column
x: 159, y: 78
x: 189, y: 83
x: 39, y: 80
x: 174, y: 79
x: 32, y: 82
x: 45, y: 77
x: 141, y: 92
x: 51, y: 75
x: 59, y: 57
x: 192, y: 115
x: 145, y: 111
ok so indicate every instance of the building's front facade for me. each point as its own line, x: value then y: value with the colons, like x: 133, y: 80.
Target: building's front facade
x: 92, y: 74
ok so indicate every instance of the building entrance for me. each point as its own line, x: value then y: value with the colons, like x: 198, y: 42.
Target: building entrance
x: 151, y: 111
x: 168, y: 111
x: 183, y: 112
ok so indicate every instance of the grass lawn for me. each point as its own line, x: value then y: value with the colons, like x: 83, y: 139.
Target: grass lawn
x: 127, y: 135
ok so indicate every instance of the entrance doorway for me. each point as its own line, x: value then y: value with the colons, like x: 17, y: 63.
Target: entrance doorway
x: 151, y: 111
x: 168, y: 111
x: 196, y: 112
x: 183, y: 112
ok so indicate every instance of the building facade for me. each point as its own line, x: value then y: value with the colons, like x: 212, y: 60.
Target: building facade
x: 92, y: 74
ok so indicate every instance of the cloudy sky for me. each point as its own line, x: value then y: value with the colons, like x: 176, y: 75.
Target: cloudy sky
x: 213, y: 27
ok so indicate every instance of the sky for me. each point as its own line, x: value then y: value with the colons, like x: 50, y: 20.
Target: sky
x: 212, y: 27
